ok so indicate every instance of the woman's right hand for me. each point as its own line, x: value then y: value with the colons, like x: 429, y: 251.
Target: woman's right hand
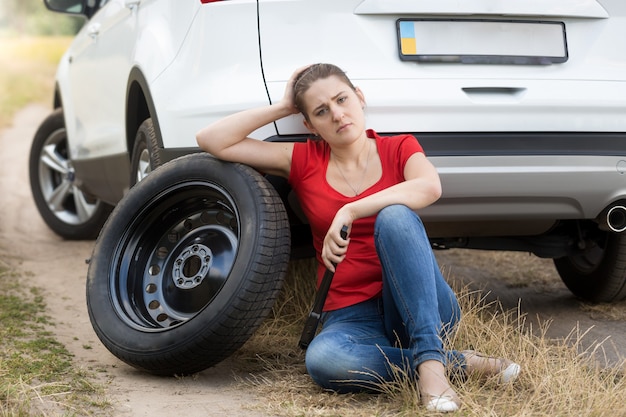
x: 335, y: 246
x: 288, y: 97
x: 334, y: 249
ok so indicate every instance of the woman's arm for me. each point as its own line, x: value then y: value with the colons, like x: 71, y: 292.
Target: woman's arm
x: 421, y: 188
x: 227, y: 138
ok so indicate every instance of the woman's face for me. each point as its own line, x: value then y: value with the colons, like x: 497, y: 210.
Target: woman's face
x: 335, y: 110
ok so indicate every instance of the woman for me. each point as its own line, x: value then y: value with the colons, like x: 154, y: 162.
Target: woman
x: 389, y: 304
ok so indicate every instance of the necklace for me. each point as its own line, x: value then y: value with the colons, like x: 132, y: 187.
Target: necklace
x: 356, y: 190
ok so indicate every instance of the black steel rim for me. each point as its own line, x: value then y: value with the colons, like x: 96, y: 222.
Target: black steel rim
x: 175, y: 256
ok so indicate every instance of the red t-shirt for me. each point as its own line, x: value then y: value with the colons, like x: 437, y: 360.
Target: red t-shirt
x: 359, y: 276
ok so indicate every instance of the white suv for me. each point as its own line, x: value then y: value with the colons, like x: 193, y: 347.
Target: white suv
x: 520, y: 105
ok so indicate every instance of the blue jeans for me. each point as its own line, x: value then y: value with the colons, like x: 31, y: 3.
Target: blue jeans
x: 360, y: 345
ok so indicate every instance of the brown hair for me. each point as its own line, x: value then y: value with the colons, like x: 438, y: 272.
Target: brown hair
x: 311, y: 74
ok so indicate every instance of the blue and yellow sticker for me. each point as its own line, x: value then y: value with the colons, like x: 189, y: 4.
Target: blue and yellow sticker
x: 408, y: 44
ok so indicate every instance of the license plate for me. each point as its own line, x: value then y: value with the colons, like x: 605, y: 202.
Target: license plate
x: 482, y: 41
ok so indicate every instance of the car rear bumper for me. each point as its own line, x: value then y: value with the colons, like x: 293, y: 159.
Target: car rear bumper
x: 526, y: 187
x: 522, y: 177
x: 526, y: 176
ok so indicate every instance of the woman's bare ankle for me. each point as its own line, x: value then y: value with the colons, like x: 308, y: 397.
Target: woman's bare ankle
x: 486, y: 366
x: 480, y: 364
x: 433, y: 380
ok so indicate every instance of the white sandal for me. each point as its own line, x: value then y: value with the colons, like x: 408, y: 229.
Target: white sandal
x: 441, y: 403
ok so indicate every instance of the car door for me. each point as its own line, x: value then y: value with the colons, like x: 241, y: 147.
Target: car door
x: 100, y: 60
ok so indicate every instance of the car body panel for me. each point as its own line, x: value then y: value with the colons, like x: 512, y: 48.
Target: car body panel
x: 116, y: 40
x: 103, y: 52
x: 584, y: 94
x: 220, y: 77
x: 514, y: 144
x: 534, y: 8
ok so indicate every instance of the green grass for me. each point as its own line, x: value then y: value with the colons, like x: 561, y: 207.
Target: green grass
x: 27, y: 67
x: 37, y: 375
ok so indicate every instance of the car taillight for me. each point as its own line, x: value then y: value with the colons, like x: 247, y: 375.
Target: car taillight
x: 209, y: 1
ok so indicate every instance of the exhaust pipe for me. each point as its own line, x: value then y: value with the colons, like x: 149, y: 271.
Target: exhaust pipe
x: 616, y: 219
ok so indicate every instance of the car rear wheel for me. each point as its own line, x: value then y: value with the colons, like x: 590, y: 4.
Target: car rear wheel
x: 68, y: 211
x: 598, y: 274
x: 188, y: 265
x: 145, y: 154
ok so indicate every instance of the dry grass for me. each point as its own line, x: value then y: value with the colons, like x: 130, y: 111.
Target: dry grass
x: 522, y: 270
x: 559, y: 378
x: 515, y: 269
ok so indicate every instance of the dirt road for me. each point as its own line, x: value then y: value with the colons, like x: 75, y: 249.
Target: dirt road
x: 544, y: 300
x: 59, y: 268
